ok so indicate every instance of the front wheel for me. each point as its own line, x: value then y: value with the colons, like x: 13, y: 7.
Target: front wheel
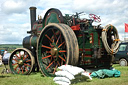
x: 21, y: 61
x: 123, y: 62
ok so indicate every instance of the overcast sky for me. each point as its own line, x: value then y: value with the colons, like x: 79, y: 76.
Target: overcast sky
x: 15, y: 17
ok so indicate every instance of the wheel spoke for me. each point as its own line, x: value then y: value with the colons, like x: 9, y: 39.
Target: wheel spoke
x: 61, y: 44
x: 27, y: 65
x: 14, y: 64
x: 15, y: 60
x: 48, y: 51
x: 65, y: 56
x: 54, y: 34
x: 18, y: 71
x: 25, y: 57
x: 47, y: 57
x: 49, y: 64
x: 62, y: 51
x: 28, y: 61
x: 61, y: 62
x: 46, y: 47
x: 55, y: 69
x: 48, y: 37
x: 51, y: 59
x: 22, y: 70
x: 17, y: 56
x: 26, y: 69
x: 53, y: 40
x: 58, y: 63
x: 61, y: 58
x: 58, y: 39
x: 16, y: 67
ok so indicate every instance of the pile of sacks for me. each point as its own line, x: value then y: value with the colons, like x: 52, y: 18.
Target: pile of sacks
x: 70, y: 74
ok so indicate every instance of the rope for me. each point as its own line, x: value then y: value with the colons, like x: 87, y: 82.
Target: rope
x: 114, y: 46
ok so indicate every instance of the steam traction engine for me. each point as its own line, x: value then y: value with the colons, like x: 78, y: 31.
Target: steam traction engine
x: 56, y: 40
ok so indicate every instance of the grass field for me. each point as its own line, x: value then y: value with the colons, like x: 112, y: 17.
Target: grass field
x: 10, y: 47
x: 38, y: 79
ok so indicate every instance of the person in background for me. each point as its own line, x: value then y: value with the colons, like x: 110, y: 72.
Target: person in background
x: 0, y: 59
x: 5, y: 51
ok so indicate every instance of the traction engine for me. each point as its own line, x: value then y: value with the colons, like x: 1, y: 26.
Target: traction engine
x: 57, y: 40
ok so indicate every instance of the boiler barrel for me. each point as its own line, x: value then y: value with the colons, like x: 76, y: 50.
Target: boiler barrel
x: 30, y: 42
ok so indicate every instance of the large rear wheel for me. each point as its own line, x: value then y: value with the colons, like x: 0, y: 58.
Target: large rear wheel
x: 57, y: 45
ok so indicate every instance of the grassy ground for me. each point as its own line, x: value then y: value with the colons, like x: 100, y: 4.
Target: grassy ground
x: 10, y: 47
x: 38, y: 79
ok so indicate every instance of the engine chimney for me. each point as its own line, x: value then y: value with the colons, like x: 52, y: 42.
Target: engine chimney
x: 33, y: 15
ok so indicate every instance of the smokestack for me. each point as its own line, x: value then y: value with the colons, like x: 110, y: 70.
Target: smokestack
x: 32, y: 15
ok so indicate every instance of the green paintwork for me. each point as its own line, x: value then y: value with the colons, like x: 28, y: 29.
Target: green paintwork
x: 96, y: 43
x: 39, y: 28
x: 51, y: 18
x: 33, y: 41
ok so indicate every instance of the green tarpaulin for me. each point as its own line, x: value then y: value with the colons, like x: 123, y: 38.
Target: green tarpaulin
x: 105, y: 73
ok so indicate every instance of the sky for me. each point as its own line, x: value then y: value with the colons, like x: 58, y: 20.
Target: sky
x: 15, y: 15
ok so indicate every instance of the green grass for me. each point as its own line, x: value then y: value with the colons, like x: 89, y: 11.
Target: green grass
x: 32, y: 79
x: 38, y: 79
x: 10, y: 47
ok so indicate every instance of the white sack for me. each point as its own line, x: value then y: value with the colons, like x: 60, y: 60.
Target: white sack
x: 61, y: 83
x: 71, y: 69
x: 65, y: 74
x: 63, y: 79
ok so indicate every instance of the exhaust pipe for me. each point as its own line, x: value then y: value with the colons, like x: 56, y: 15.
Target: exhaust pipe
x: 32, y: 15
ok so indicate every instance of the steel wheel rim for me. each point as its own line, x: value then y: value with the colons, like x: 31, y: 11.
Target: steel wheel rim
x: 21, y: 62
x: 54, y: 52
